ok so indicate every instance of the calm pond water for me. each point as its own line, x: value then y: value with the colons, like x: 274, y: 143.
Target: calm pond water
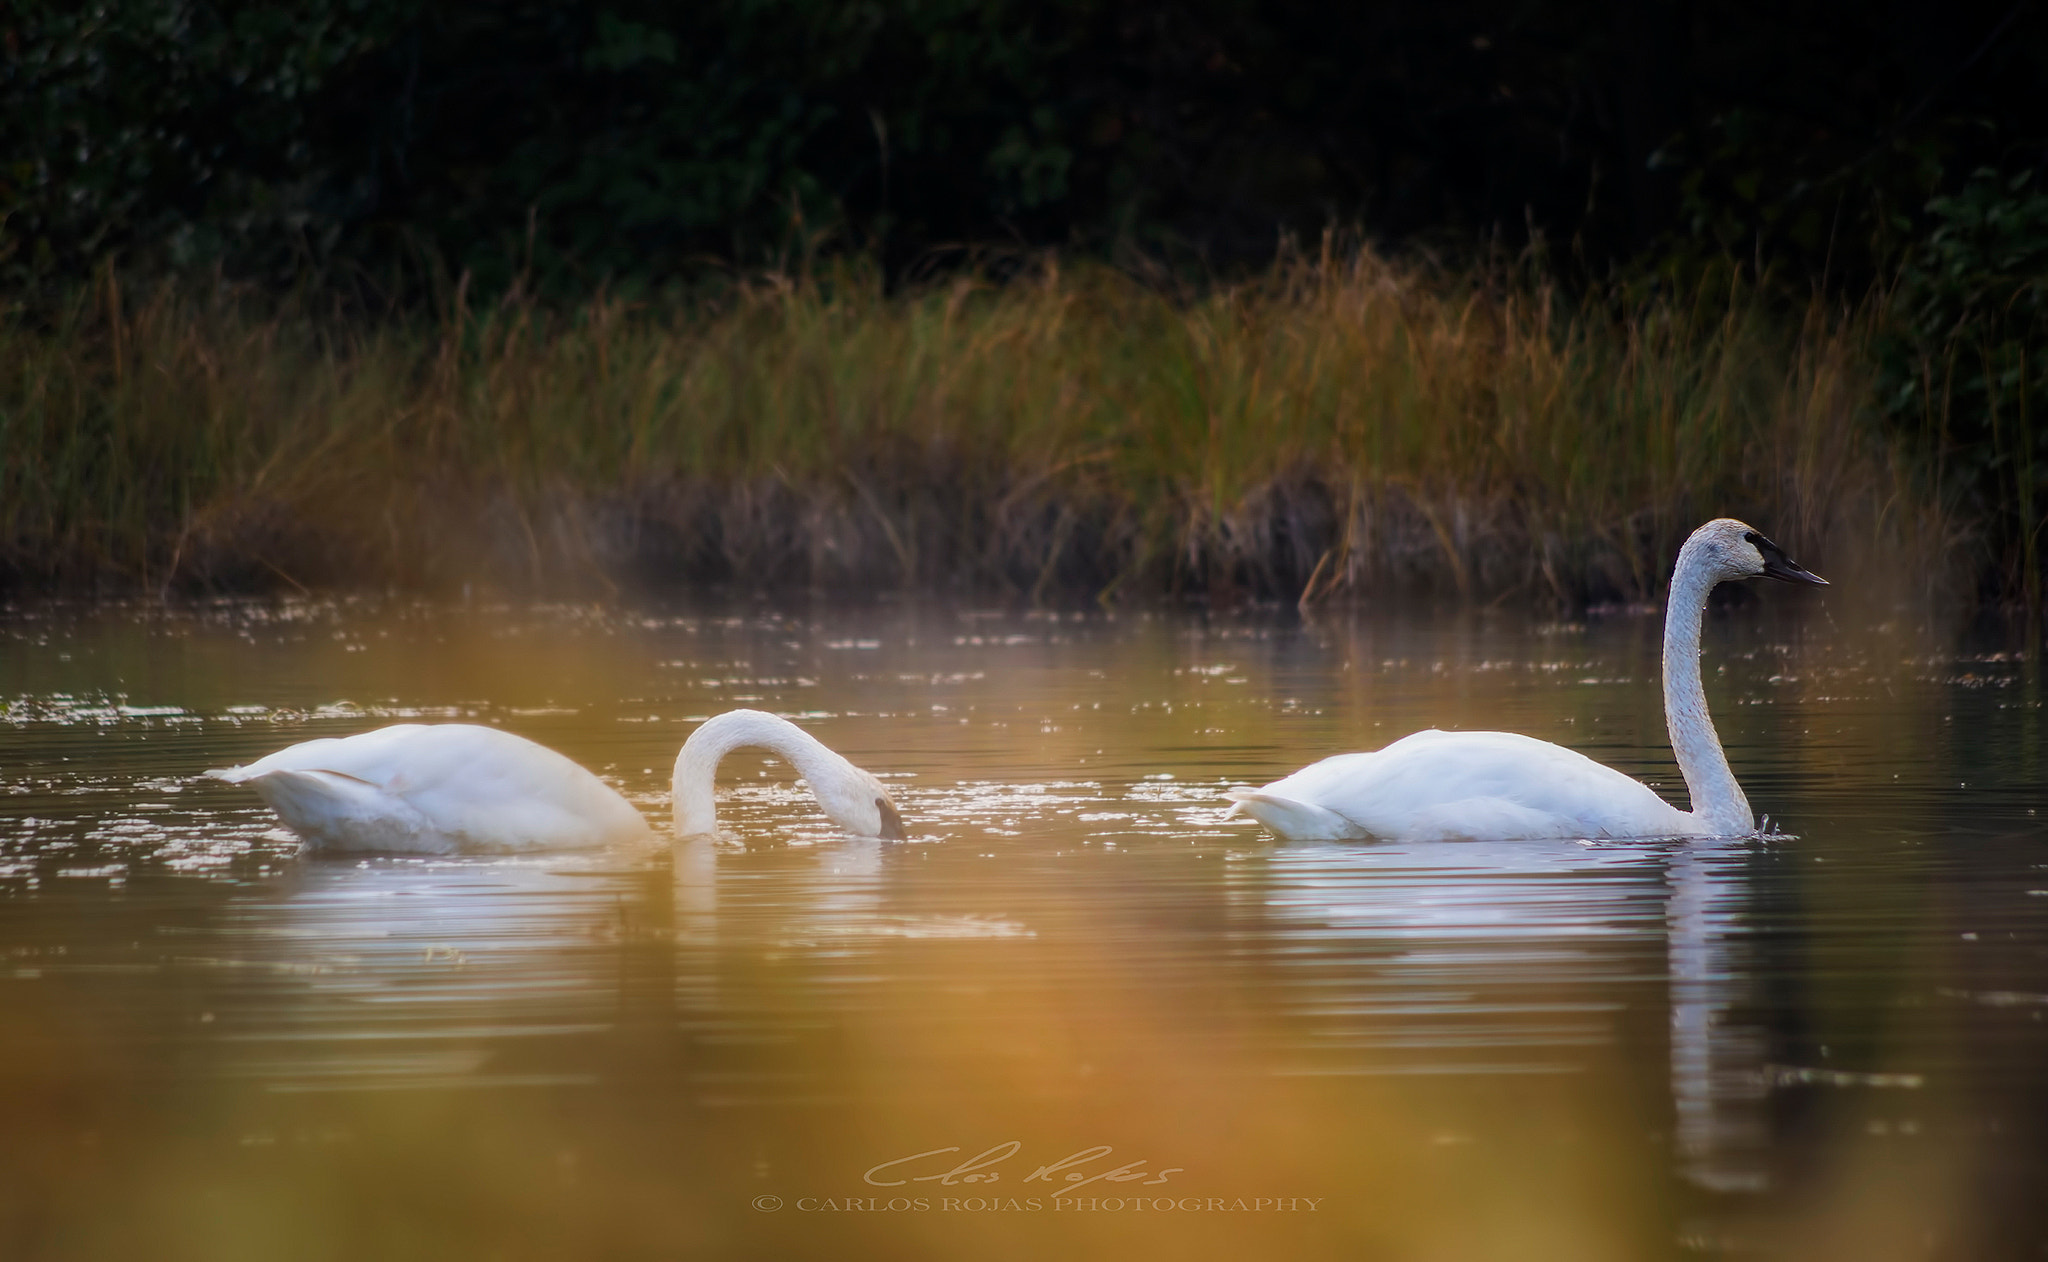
x: 1077, y: 1014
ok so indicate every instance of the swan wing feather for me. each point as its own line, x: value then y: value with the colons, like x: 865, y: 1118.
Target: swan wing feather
x: 1441, y: 785
x: 437, y: 787
x: 1297, y: 821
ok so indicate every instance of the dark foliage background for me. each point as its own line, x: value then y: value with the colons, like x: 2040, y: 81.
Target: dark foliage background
x: 635, y: 139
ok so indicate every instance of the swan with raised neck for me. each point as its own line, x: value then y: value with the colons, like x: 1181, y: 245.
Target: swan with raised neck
x: 1722, y: 550
x: 1500, y: 786
x: 852, y: 798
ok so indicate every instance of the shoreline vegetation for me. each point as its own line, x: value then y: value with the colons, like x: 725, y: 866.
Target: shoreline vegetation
x: 1340, y: 426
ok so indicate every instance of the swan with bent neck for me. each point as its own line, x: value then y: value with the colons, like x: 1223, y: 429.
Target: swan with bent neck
x: 853, y: 798
x: 446, y: 788
x: 1498, y: 786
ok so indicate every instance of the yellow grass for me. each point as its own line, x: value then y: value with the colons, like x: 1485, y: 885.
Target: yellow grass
x: 1342, y: 424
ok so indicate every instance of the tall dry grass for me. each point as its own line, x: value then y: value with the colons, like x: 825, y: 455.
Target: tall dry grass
x: 1341, y: 424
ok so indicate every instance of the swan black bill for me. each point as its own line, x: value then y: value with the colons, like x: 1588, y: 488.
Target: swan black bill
x: 1779, y: 566
x: 892, y: 823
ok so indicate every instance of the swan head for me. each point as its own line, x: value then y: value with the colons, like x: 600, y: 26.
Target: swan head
x: 1729, y: 549
x: 857, y: 802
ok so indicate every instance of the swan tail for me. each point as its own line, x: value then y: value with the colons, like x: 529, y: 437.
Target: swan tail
x: 1295, y: 821
x: 334, y: 810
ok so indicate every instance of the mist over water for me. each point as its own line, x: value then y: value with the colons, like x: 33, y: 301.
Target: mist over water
x: 1829, y: 1043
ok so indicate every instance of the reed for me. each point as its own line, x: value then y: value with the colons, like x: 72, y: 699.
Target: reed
x: 1342, y: 424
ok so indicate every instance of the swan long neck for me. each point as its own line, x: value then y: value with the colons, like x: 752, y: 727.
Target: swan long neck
x: 696, y: 803
x: 1717, y: 801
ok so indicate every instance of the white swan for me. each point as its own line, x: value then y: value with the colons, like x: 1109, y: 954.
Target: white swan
x: 1498, y: 786
x: 447, y: 787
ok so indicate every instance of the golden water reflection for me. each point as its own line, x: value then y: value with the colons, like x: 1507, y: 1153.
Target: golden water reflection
x: 1078, y: 1012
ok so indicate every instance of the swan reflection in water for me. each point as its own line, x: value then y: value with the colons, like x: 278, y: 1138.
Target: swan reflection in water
x: 358, y: 974
x: 1718, y: 1082
x: 1480, y: 925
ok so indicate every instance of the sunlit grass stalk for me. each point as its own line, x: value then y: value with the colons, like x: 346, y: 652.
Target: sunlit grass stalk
x: 1367, y: 425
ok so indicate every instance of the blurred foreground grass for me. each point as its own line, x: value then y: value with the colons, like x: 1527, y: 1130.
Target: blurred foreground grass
x: 1341, y: 425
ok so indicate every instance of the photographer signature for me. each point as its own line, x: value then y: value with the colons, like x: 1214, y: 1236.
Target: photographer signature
x: 976, y: 1169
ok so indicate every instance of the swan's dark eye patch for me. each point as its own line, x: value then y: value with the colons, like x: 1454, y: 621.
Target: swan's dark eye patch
x: 1779, y: 566
x: 1763, y: 545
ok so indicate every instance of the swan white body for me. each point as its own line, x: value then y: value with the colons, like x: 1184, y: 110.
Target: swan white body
x: 437, y: 789
x: 1477, y: 786
x: 1498, y: 786
x: 451, y: 787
